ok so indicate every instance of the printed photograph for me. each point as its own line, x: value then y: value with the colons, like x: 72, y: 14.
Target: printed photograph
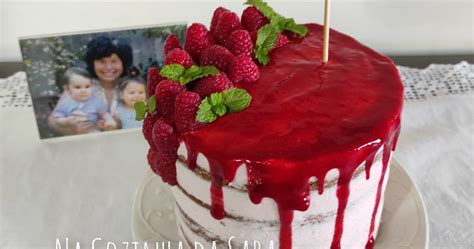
x: 89, y: 82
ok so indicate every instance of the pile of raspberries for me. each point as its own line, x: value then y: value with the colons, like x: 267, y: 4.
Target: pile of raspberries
x: 229, y: 46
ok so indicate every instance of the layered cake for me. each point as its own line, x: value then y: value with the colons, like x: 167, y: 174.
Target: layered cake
x: 302, y: 159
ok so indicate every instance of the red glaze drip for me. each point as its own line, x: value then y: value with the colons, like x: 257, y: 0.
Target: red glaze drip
x: 342, y: 193
x: 217, y: 201
x: 368, y: 165
x: 395, y: 138
x: 218, y: 176
x: 286, y: 218
x: 192, y: 158
x: 305, y: 120
x: 387, y: 149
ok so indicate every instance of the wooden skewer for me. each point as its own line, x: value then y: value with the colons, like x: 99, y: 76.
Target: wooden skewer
x: 326, y: 32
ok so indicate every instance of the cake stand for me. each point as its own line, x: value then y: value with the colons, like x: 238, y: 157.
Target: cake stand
x: 404, y: 220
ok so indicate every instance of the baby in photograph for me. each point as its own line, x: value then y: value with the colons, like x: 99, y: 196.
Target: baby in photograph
x: 131, y: 90
x: 79, y: 103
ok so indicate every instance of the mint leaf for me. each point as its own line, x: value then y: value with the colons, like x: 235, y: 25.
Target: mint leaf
x: 195, y: 72
x: 268, y: 34
x: 140, y: 110
x: 266, y: 39
x: 265, y: 32
x: 236, y: 99
x: 262, y: 56
x: 284, y: 23
x: 205, y: 113
x: 221, y: 103
x: 209, y: 70
x: 151, y: 104
x: 172, y: 71
x: 290, y: 25
x: 189, y: 74
x: 263, y: 7
x: 184, y: 79
x: 216, y: 99
x: 178, y: 73
x: 220, y: 110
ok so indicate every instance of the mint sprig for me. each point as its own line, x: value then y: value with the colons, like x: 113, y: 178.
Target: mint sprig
x: 267, y: 35
x: 236, y: 99
x: 266, y: 39
x: 182, y: 75
x: 142, y: 108
x: 221, y: 103
x: 172, y: 71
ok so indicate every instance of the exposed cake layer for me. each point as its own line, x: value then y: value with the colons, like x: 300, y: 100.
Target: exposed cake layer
x: 247, y: 221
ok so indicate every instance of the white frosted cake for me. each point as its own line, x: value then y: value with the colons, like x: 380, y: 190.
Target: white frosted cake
x: 251, y: 222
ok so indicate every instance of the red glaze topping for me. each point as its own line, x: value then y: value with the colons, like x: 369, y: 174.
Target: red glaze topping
x: 304, y: 120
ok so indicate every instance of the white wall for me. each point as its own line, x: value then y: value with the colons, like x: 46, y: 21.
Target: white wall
x: 390, y: 26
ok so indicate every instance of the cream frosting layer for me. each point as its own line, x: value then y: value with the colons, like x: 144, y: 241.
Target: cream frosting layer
x: 247, y: 221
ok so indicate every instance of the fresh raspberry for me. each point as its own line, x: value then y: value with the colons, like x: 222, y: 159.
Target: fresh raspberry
x: 212, y: 84
x: 254, y: 35
x: 171, y: 43
x: 240, y: 43
x: 153, y: 78
x: 179, y: 56
x: 165, y: 166
x: 186, y: 106
x: 215, y: 18
x: 282, y: 41
x: 148, y: 123
x: 216, y: 55
x: 242, y: 68
x: 167, y: 145
x: 151, y: 156
x: 252, y: 19
x: 228, y: 23
x: 164, y: 136
x: 197, y: 39
x: 165, y: 95
x: 292, y: 35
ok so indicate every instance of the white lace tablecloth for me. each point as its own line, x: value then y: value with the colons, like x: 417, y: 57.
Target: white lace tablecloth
x: 82, y: 187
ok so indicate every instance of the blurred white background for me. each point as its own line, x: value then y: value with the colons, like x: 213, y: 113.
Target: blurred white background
x: 400, y: 27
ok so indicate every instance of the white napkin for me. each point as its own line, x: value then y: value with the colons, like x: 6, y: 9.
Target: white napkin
x: 436, y: 147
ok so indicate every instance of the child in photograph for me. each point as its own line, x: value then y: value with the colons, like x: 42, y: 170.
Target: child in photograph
x: 131, y: 90
x: 79, y: 103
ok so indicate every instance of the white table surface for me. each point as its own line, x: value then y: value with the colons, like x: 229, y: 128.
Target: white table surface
x: 82, y: 187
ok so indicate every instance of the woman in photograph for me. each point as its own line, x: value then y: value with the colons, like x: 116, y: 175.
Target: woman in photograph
x: 108, y: 60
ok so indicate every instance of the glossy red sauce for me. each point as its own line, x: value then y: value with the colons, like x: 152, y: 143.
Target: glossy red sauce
x: 305, y: 119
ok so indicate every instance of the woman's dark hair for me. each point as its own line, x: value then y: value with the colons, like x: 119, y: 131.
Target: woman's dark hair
x: 104, y: 46
x: 133, y: 76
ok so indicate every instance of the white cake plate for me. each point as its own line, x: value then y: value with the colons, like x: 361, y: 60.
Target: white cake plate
x: 404, y: 220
